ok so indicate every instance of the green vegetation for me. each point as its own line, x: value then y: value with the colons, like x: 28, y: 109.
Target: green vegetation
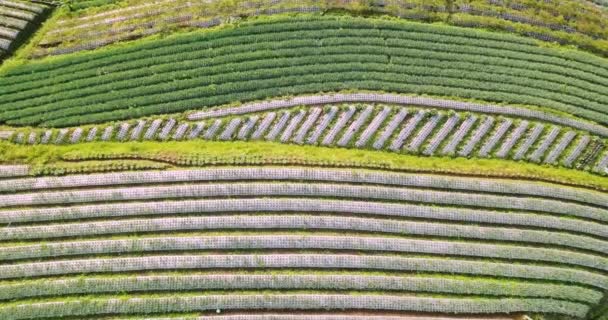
x: 571, y: 22
x: 286, y: 56
x: 198, y: 153
x: 117, y: 201
x: 18, y: 19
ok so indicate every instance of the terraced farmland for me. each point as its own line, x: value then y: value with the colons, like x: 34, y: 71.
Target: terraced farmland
x: 360, y: 58
x: 299, y: 160
x: 17, y: 20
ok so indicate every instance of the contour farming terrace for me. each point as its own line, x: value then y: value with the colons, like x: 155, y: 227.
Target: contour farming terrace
x: 304, y: 160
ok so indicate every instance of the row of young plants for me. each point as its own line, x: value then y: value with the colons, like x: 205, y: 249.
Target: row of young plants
x: 392, y: 227
x: 306, y: 261
x: 197, y: 159
x: 61, y: 169
x: 341, y: 281
x: 217, y: 189
x: 297, y: 174
x: 17, y: 20
x: 405, y: 100
x: 290, y: 205
x: 10, y: 171
x: 299, y: 316
x: 575, y: 22
x: 569, y: 103
x: 277, y: 189
x: 299, y: 242
x: 288, y: 301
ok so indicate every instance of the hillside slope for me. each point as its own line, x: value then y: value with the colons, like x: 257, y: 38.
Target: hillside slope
x: 396, y: 160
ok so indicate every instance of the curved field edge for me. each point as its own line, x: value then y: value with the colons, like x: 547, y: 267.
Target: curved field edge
x: 446, y: 103
x: 186, y: 153
x: 130, y: 304
x: 76, y: 59
x: 515, y: 17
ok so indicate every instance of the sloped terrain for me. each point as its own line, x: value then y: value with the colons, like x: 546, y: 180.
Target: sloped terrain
x: 422, y: 160
x: 17, y: 20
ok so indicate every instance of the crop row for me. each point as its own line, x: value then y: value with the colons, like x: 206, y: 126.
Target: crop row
x: 304, y: 190
x: 397, y: 100
x: 61, y: 169
x: 341, y: 122
x: 532, y: 137
x: 94, y: 285
x: 304, y: 261
x: 581, y: 145
x: 442, y: 134
x: 560, y: 147
x: 311, y: 119
x: 407, y: 130
x: 435, y: 181
x: 96, y: 99
x: 373, y: 127
x: 424, y: 133
x: 355, y: 126
x: 602, y: 165
x: 15, y: 20
x: 392, y: 125
x: 8, y: 171
x: 512, y: 46
x: 318, y: 316
x: 277, y: 242
x: 278, y: 81
x: 273, y: 205
x: 291, y: 222
x: 289, y: 302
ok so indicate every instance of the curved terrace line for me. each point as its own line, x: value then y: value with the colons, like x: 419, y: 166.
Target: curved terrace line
x: 289, y: 302
x: 313, y: 100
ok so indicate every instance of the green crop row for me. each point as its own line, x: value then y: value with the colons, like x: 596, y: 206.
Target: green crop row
x: 218, y: 76
x: 245, y: 86
x: 60, y: 169
x: 547, y: 78
x: 311, y: 23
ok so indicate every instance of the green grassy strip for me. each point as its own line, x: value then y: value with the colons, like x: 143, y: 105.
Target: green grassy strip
x: 45, y: 155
